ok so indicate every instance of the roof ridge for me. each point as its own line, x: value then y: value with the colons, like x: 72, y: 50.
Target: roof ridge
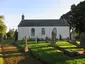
x: 43, y: 22
x: 41, y: 19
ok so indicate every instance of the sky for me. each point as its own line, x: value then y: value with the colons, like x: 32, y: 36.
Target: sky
x: 33, y: 9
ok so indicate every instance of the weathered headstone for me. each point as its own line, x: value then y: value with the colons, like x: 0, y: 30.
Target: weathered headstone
x: 26, y: 45
x: 46, y: 39
x: 82, y: 40
x: 60, y: 37
x: 73, y: 40
x: 36, y: 39
x: 53, y: 42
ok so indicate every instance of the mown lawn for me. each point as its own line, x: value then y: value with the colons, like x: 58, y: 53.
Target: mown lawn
x: 68, y: 46
x: 1, y: 59
x: 47, y: 53
x: 11, y: 53
x: 51, y: 55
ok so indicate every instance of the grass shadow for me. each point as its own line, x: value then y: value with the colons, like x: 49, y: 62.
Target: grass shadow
x: 76, y: 44
x: 71, y: 48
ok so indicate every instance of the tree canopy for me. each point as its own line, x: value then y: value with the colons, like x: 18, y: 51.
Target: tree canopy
x: 2, y: 26
x: 11, y: 33
x: 76, y: 17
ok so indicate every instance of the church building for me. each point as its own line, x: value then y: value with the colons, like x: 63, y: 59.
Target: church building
x: 42, y: 28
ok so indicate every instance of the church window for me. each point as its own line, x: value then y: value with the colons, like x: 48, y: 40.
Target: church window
x: 43, y: 31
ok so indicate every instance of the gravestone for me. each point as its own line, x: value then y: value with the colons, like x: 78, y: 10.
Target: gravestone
x: 53, y: 42
x: 73, y: 40
x: 26, y: 45
x: 82, y: 40
x: 60, y: 37
x: 46, y: 39
x: 36, y: 39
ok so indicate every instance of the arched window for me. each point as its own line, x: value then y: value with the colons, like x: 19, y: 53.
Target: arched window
x: 43, y: 31
x: 32, y: 32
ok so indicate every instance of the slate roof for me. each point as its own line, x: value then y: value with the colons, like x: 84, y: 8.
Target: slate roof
x: 42, y: 22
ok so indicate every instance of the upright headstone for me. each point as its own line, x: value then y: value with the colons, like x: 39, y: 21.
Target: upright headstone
x: 60, y: 37
x: 26, y: 45
x: 82, y: 40
x: 36, y: 39
x: 73, y: 40
x: 46, y: 39
x: 53, y: 42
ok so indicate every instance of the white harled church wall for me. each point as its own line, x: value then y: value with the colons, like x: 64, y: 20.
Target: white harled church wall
x: 26, y: 31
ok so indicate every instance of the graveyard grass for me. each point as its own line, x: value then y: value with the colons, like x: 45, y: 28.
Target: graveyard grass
x: 45, y: 52
x: 1, y: 59
x: 68, y: 46
x: 13, y: 53
x: 51, y: 55
x: 48, y: 54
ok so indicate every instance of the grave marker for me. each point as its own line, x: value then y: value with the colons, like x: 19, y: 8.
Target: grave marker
x: 53, y: 42
x: 26, y: 45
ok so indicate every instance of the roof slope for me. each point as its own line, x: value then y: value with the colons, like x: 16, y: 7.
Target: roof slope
x: 42, y: 22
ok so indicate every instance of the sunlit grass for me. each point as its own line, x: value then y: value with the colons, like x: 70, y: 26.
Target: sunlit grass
x: 1, y: 61
x: 76, y: 61
x: 47, y: 53
x: 54, y: 56
x: 64, y: 43
x: 68, y: 46
x: 78, y: 42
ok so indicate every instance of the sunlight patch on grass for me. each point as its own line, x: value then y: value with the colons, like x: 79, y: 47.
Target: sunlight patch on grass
x: 63, y: 43
x: 76, y: 61
x: 78, y: 42
x: 68, y: 46
x: 1, y: 61
x: 58, y: 50
x: 54, y: 56
x: 48, y: 53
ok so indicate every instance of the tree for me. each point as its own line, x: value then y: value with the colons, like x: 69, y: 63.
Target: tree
x: 1, y: 17
x: 2, y: 27
x: 76, y: 17
x: 10, y: 33
x: 16, y: 35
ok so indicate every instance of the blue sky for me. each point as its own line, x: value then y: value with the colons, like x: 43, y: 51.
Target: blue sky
x: 33, y: 9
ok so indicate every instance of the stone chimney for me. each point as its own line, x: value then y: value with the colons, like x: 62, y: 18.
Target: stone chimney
x: 23, y: 17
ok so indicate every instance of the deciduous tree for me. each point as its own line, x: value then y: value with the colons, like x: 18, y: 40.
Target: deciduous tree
x: 10, y: 33
x: 3, y: 27
x: 76, y: 16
